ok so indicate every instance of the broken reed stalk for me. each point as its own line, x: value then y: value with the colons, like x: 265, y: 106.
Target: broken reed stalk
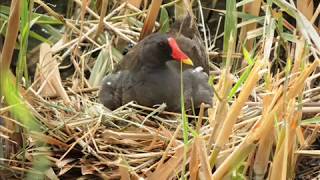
x: 103, y: 12
x: 265, y: 125
x: 224, y: 86
x: 49, y: 75
x: 171, y: 167
x: 135, y: 3
x: 252, y: 8
x: 280, y: 160
x: 151, y: 18
x: 234, y: 112
x: 11, y: 36
x: 199, y: 166
x: 265, y: 145
x: 6, y: 76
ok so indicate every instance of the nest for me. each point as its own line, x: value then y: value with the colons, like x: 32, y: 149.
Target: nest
x: 262, y: 124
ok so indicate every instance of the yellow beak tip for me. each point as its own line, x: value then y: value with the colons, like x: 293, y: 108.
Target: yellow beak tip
x: 187, y: 61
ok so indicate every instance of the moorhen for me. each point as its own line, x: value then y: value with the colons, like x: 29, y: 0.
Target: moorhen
x: 188, y: 37
x: 189, y: 40
x: 146, y: 76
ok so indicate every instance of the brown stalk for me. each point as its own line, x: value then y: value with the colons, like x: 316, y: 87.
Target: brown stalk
x: 45, y: 70
x: 205, y: 169
x: 170, y: 167
x: 11, y: 37
x: 194, y: 164
x: 253, y: 9
x: 124, y: 172
x: 306, y: 7
x: 199, y: 122
x: 48, y: 139
x: 266, y: 123
x: 277, y: 165
x: 151, y: 18
x: 224, y: 87
x: 51, y: 12
x: 199, y: 166
x: 135, y: 3
x: 299, y: 53
x: 235, y: 109
x: 169, y: 146
x: 249, y: 140
x: 293, y: 145
x: 279, y: 99
x: 103, y: 12
x: 5, y: 61
x: 280, y: 161
x: 49, y: 74
x: 220, y: 112
x: 265, y: 146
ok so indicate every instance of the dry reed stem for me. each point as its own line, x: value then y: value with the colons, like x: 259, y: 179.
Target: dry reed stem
x: 11, y: 36
x: 49, y: 75
x: 265, y: 146
x: 107, y: 24
x: 136, y: 142
x: 135, y: 3
x: 235, y: 110
x: 103, y: 13
x: 205, y: 169
x: 266, y: 123
x: 305, y: 7
x: 168, y: 169
x: 254, y: 9
x: 151, y: 18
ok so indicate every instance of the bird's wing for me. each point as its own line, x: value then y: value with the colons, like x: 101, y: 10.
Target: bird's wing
x: 131, y: 60
x: 201, y: 91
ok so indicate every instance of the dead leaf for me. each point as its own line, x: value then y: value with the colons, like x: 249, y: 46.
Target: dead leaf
x: 49, y: 76
x: 170, y: 167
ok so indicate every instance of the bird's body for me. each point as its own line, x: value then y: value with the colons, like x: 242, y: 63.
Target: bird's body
x: 150, y: 88
x: 149, y: 74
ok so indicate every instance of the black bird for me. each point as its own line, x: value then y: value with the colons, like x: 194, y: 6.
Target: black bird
x: 188, y: 37
x: 146, y: 76
x: 189, y: 40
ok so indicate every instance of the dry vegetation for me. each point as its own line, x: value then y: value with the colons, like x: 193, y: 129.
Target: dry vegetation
x: 263, y: 124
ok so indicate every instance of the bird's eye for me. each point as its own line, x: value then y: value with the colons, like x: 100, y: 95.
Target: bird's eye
x: 125, y: 51
x: 162, y: 44
x: 130, y: 45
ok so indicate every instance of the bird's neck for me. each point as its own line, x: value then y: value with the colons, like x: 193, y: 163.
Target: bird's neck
x: 155, y: 65
x: 154, y: 61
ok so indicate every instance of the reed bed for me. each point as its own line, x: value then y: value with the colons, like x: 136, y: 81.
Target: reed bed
x: 263, y: 124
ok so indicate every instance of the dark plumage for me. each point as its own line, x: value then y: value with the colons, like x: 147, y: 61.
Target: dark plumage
x: 151, y: 88
x: 150, y: 80
x: 188, y: 38
x: 150, y: 52
x: 150, y: 72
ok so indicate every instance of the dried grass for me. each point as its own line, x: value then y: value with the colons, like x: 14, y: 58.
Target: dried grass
x: 258, y: 133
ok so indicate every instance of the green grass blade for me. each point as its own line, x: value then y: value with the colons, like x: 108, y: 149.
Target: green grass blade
x: 314, y: 120
x: 185, y: 124
x: 230, y: 25
x: 164, y: 20
x: 24, y: 34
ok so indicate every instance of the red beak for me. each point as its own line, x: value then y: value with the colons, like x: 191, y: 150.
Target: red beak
x: 177, y: 54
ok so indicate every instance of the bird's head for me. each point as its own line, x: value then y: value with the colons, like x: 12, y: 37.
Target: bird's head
x: 176, y: 53
x: 165, y: 48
